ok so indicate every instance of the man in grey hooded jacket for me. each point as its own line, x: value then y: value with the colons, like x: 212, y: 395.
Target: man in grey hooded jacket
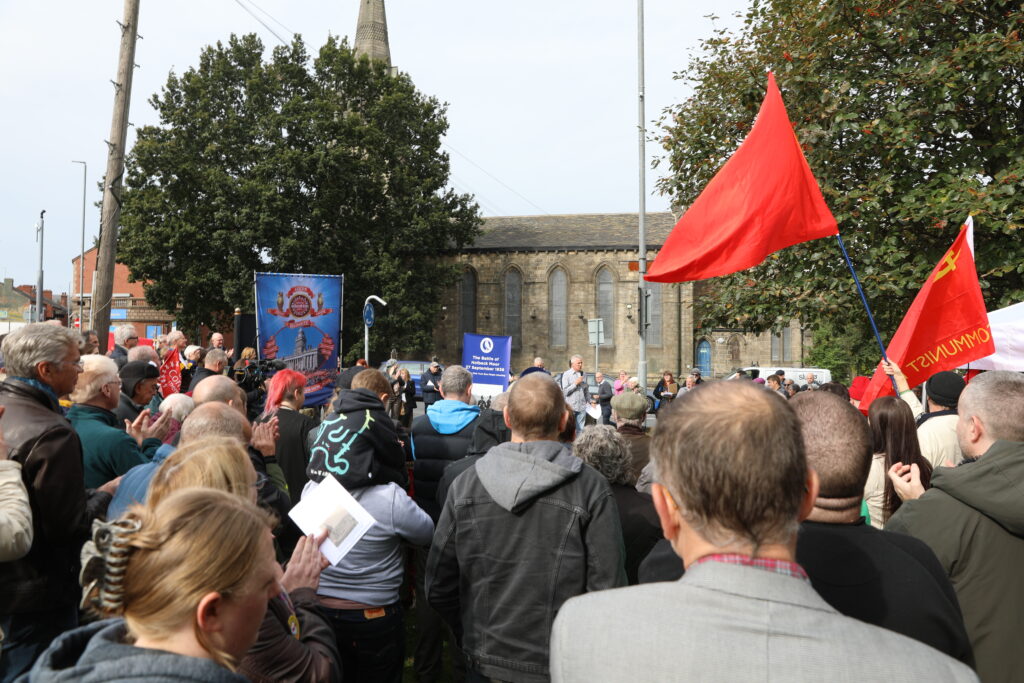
x: 526, y: 528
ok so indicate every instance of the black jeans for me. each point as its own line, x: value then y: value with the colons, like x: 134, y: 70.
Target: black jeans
x: 431, y: 632
x: 27, y: 635
x: 371, y: 642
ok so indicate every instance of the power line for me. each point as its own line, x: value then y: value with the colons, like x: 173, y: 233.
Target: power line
x: 262, y: 23
x: 495, y: 179
x: 272, y: 17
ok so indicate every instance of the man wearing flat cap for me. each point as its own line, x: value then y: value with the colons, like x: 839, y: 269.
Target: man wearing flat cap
x: 629, y: 411
x: 139, y: 382
x: 936, y: 429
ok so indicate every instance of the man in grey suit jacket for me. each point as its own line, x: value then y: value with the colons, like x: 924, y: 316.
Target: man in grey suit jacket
x: 744, y: 610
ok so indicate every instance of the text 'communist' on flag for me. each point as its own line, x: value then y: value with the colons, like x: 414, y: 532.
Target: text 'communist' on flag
x: 170, y: 374
x: 763, y: 199
x: 945, y: 327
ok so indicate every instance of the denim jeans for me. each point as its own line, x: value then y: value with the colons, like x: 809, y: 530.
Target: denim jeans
x: 371, y: 642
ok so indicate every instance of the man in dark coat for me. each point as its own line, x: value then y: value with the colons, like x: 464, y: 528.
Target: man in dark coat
x: 605, y: 392
x: 973, y: 518
x: 40, y: 594
x: 436, y: 440
x: 139, y: 382
x: 880, y: 577
x: 430, y: 384
x: 214, y: 363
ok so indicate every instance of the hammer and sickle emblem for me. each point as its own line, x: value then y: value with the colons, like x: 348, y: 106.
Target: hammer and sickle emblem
x: 948, y: 265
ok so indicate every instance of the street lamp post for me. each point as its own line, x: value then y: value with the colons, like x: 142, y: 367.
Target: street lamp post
x: 641, y: 371
x: 39, y: 283
x: 368, y: 321
x: 81, y: 258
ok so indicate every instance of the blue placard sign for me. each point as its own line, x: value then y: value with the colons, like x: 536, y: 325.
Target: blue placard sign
x: 488, y: 357
x: 368, y: 315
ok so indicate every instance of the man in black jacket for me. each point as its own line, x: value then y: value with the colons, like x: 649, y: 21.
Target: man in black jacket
x: 532, y: 509
x: 430, y: 384
x: 214, y: 363
x: 882, y: 578
x: 436, y: 440
x: 40, y: 593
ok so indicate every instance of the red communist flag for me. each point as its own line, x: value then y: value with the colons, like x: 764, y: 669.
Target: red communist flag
x: 945, y: 327
x: 763, y: 199
x: 170, y: 374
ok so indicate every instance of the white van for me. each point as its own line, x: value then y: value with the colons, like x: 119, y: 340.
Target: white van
x: 798, y: 375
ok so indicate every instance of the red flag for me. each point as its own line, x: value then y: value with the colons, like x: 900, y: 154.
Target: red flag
x: 945, y: 327
x: 170, y: 374
x: 763, y: 199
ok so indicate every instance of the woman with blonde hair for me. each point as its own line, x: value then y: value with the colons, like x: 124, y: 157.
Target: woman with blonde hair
x: 215, y: 463
x: 187, y: 583
x: 294, y: 643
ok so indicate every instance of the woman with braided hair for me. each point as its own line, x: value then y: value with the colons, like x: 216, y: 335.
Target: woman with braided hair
x: 186, y: 584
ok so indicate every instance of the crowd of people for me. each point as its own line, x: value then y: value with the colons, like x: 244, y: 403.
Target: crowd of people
x: 756, y: 532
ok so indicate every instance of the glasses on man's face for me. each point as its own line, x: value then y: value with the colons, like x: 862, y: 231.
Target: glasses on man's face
x: 77, y: 363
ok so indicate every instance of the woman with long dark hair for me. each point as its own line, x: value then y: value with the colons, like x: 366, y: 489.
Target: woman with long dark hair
x: 894, y: 439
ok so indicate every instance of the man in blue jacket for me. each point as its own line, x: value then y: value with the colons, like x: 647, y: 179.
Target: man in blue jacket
x: 437, y: 439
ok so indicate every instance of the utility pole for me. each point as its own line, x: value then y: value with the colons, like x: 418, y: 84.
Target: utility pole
x: 641, y: 370
x: 39, y: 281
x: 111, y: 216
x: 81, y: 258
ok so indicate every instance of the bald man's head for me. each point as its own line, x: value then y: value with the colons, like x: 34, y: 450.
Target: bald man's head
x: 536, y: 409
x: 220, y: 389
x: 215, y: 419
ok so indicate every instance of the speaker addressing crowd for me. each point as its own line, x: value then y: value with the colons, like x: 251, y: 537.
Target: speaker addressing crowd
x: 158, y: 545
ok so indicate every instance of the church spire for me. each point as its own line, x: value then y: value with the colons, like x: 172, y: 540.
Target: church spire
x: 372, y: 31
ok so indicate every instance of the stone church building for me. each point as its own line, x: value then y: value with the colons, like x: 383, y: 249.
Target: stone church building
x: 539, y: 279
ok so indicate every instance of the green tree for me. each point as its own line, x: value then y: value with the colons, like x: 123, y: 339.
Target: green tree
x: 911, y: 118
x: 328, y: 165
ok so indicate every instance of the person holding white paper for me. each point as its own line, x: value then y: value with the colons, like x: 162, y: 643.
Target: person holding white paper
x: 357, y: 446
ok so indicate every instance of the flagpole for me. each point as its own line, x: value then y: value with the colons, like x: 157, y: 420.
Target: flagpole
x: 864, y: 300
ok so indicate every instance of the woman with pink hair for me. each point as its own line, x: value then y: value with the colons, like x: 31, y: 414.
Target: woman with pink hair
x: 286, y: 395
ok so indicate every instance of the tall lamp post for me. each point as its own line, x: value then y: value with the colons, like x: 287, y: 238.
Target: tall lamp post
x: 39, y: 284
x: 641, y: 371
x: 81, y: 258
x: 368, y: 319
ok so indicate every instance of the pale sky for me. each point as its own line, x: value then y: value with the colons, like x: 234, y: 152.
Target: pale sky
x: 542, y: 96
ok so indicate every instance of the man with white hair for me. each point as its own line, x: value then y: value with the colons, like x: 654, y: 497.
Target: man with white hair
x: 972, y: 517
x: 214, y: 363
x: 108, y: 451
x: 40, y: 594
x: 144, y: 352
x: 217, y: 341
x: 125, y: 339
x: 574, y: 387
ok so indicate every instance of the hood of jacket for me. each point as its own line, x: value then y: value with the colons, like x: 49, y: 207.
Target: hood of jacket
x: 354, y: 400
x: 96, y: 652
x: 448, y: 416
x: 515, y: 474
x: 993, y: 484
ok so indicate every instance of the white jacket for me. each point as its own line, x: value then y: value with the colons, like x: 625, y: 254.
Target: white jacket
x: 15, y: 513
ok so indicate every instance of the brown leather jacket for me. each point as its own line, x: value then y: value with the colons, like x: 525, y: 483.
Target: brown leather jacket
x: 42, y: 440
x: 294, y: 645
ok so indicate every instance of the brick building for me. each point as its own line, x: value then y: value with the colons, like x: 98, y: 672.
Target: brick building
x: 128, y: 304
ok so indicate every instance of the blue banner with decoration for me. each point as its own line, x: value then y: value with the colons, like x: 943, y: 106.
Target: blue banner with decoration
x: 298, y: 322
x: 488, y: 357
